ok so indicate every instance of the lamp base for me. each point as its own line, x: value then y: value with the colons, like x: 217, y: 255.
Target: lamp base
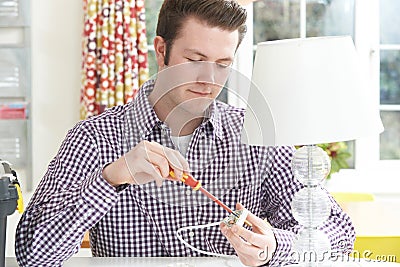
x: 311, y: 207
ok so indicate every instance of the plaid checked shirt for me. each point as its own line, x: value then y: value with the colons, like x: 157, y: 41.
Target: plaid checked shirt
x: 133, y: 220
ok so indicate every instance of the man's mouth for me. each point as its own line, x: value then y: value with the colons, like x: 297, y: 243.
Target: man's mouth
x: 200, y: 93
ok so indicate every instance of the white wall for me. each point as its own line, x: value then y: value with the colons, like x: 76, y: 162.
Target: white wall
x: 56, y: 62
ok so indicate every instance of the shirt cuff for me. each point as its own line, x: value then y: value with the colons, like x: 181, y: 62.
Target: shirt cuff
x: 98, y: 193
x: 284, y: 240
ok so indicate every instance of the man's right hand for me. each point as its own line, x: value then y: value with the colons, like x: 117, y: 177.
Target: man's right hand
x: 147, y: 162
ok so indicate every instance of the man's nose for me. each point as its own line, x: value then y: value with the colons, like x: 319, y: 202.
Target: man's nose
x: 207, y: 72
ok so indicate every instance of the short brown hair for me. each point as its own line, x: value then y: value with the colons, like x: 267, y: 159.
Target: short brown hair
x: 225, y: 14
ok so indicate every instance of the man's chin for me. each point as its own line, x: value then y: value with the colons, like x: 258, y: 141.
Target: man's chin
x: 197, y: 107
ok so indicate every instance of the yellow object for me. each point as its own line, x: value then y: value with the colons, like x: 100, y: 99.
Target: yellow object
x: 374, y: 247
x: 345, y: 198
x: 341, y: 197
x: 20, y: 201
x: 188, y: 180
x: 86, y: 240
x: 380, y: 248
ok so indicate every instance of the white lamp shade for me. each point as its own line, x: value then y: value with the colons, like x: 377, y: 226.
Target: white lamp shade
x: 308, y: 91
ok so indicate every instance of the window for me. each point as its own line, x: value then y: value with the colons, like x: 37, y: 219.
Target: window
x: 390, y: 79
x: 152, y: 9
x: 373, y: 26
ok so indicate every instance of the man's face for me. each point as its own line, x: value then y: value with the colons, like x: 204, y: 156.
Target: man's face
x: 199, y: 63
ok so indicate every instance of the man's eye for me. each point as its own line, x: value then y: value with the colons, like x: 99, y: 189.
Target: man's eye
x: 193, y: 60
x: 223, y: 65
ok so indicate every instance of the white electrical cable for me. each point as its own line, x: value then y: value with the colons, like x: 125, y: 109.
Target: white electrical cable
x: 240, y: 221
x: 178, y: 234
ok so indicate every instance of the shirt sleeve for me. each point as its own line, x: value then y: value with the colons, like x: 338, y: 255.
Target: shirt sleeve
x: 280, y: 187
x: 70, y: 199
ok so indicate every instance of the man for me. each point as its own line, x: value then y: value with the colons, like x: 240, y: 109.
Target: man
x: 112, y: 173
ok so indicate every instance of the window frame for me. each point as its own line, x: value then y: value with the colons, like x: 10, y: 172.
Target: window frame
x: 367, y: 40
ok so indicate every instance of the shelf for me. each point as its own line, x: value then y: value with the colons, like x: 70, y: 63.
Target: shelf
x: 14, y: 13
x: 13, y: 72
x: 13, y: 142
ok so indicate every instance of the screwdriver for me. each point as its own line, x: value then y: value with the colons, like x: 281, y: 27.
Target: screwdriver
x: 196, y: 185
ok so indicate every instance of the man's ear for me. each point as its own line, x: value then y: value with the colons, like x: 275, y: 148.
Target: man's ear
x: 160, y: 48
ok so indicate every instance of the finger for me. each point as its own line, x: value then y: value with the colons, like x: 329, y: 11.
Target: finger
x: 159, y: 182
x: 267, y: 222
x: 152, y: 171
x: 262, y: 235
x: 175, y: 164
x: 175, y: 159
x: 239, y: 206
x: 183, y: 165
x: 154, y: 146
x: 251, y: 237
x: 157, y: 155
x: 248, y: 254
x: 258, y: 224
x: 234, y: 239
x: 155, y: 174
x: 160, y: 162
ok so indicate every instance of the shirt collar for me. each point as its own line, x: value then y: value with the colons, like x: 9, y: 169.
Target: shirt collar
x: 146, y: 118
x: 143, y: 112
x: 213, y: 118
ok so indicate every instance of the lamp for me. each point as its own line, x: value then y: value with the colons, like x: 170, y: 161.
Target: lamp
x: 308, y: 91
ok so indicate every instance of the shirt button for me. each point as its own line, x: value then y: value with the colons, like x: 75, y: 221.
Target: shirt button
x: 191, y: 234
x: 108, y: 200
x: 202, y: 134
x: 188, y: 192
x: 163, y: 129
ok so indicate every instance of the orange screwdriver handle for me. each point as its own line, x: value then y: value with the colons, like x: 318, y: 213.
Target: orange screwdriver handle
x: 187, y: 179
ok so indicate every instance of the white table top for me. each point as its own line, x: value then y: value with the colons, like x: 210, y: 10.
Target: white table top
x: 181, y: 262
x: 145, y: 262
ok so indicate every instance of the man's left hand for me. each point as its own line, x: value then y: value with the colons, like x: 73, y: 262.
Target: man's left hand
x: 254, y: 248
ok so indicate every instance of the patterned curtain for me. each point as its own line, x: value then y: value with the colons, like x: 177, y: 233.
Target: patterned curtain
x: 114, y: 52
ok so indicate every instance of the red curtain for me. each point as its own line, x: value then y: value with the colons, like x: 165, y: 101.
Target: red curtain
x: 114, y: 52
